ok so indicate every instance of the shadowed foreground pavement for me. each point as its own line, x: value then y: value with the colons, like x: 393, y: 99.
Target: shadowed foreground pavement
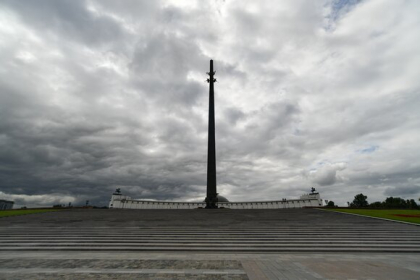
x: 206, y: 244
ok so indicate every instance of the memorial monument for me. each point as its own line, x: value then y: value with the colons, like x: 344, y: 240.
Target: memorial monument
x: 211, y: 198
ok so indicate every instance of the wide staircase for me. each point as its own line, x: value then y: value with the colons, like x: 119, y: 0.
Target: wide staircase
x: 264, y: 231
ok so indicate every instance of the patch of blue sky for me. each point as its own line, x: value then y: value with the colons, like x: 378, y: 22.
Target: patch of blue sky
x: 337, y: 9
x: 368, y: 150
x: 324, y: 162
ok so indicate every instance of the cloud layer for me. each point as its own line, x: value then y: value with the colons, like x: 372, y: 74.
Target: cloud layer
x: 96, y: 95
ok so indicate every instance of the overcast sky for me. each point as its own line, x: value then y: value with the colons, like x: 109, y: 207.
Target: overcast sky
x: 96, y: 95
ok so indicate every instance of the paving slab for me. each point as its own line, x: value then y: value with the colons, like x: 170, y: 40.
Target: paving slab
x: 96, y: 265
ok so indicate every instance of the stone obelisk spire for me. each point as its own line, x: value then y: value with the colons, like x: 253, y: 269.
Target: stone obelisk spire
x: 211, y: 199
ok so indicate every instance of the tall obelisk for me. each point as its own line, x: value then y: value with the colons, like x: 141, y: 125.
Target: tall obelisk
x: 211, y: 199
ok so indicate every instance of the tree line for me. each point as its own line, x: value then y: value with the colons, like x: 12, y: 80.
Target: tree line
x: 360, y: 201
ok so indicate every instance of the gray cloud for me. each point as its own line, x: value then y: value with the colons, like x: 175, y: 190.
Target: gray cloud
x: 404, y: 191
x: 327, y: 174
x: 96, y: 95
x: 70, y: 19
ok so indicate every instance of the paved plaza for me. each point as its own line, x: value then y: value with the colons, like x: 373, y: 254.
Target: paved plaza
x: 206, y: 244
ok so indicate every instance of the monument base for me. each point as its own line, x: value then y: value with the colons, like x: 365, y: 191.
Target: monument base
x: 126, y: 202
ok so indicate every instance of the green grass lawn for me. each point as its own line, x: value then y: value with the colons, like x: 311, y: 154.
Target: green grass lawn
x: 412, y: 216
x: 8, y: 213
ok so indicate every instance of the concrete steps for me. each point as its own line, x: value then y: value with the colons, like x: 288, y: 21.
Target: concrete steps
x: 300, y: 230
x: 218, y: 249
x: 306, y: 239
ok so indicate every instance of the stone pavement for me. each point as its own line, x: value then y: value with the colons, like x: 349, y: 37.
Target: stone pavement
x: 180, y: 244
x: 138, y: 265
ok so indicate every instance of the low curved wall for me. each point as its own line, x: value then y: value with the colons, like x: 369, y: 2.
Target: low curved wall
x: 125, y: 202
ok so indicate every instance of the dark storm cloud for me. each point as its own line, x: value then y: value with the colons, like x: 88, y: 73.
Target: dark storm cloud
x: 404, y: 191
x: 233, y: 115
x: 160, y: 69
x: 96, y: 95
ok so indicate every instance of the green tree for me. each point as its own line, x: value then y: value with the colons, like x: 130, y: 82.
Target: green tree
x: 331, y: 204
x: 412, y: 204
x: 376, y: 204
x: 359, y: 201
x: 395, y: 203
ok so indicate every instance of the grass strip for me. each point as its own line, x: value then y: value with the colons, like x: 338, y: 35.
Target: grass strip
x: 8, y: 213
x: 411, y: 216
